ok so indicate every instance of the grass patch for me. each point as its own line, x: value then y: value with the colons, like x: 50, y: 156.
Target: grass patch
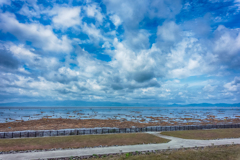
x: 207, y: 153
x: 78, y: 141
x: 205, y: 134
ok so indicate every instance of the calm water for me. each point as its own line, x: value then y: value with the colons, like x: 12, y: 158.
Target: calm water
x: 9, y: 114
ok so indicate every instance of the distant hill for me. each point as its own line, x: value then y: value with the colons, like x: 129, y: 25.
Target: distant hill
x: 208, y: 105
x: 84, y: 103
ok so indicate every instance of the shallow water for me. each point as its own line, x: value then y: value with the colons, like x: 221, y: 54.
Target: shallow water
x: 9, y: 114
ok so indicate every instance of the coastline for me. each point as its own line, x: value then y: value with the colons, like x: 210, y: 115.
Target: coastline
x: 59, y: 123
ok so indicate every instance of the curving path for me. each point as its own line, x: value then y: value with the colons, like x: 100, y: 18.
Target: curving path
x: 174, y: 144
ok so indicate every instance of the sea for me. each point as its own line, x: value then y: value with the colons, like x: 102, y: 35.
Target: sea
x: 11, y: 114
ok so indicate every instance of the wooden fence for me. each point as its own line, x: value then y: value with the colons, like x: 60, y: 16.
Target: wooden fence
x: 87, y: 131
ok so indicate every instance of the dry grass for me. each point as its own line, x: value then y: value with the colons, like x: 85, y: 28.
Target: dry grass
x: 208, y: 153
x: 78, y: 141
x: 205, y: 134
x: 56, y: 124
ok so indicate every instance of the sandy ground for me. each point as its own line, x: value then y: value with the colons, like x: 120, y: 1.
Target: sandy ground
x: 55, y: 124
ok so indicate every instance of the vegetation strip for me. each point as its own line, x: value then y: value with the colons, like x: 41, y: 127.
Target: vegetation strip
x: 205, y: 134
x: 78, y: 141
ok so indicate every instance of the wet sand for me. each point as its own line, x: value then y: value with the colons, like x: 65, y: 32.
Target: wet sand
x: 56, y: 124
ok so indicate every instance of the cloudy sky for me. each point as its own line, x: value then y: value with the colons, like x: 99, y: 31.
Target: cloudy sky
x: 123, y: 51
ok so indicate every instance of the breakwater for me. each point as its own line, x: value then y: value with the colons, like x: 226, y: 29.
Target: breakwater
x: 88, y: 131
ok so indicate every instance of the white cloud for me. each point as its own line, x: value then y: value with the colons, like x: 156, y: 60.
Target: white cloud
x: 233, y: 85
x: 168, y: 90
x: 106, y: 45
x: 128, y: 11
x: 237, y: 3
x: 31, y: 9
x: 93, y: 10
x: 31, y: 59
x: 92, y: 32
x: 227, y: 42
x: 23, y: 70
x: 137, y: 41
x: 116, y: 20
x: 169, y: 31
x: 65, y: 17
x: 209, y: 88
x: 21, y: 53
x: 7, y: 2
x: 40, y: 36
x: 137, y: 65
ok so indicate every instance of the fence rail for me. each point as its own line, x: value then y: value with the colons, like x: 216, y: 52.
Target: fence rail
x: 67, y: 132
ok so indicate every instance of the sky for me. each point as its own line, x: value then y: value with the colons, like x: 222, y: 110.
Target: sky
x: 120, y: 51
